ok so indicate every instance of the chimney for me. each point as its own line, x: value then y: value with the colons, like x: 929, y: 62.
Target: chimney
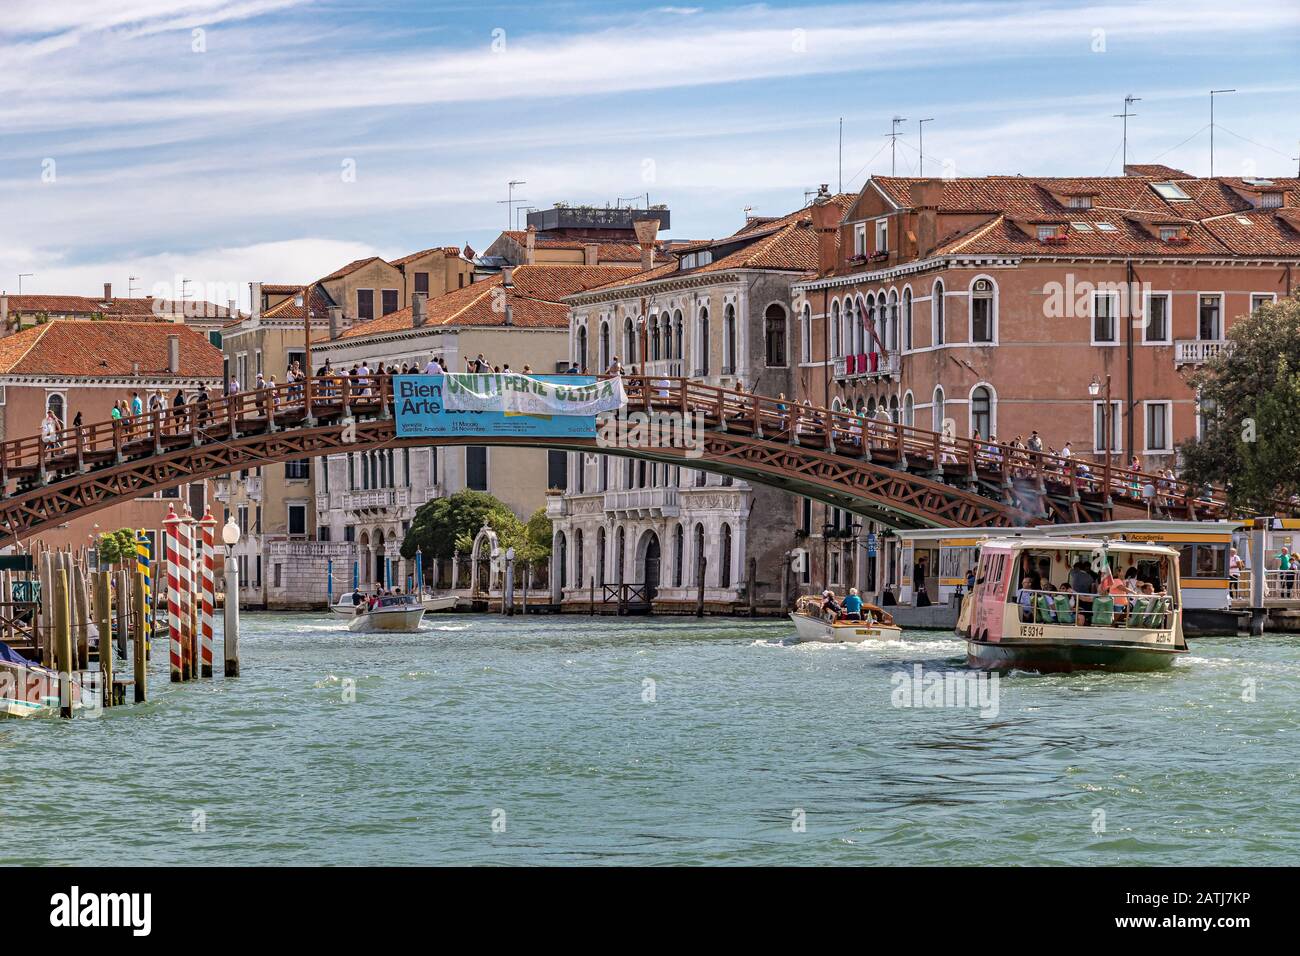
x: 530, y: 244
x: 108, y: 292
x: 590, y: 254
x: 173, y: 355
x: 646, y: 230
x: 926, y: 196
x: 826, y: 223
x: 419, y: 311
x: 336, y: 321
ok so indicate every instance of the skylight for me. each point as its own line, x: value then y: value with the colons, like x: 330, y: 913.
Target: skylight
x: 1107, y: 227
x: 1169, y: 191
x: 1243, y: 220
x: 1081, y: 226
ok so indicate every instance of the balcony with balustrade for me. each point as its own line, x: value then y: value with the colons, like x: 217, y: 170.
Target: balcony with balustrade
x: 643, y: 503
x: 867, y: 366
x: 1199, y: 351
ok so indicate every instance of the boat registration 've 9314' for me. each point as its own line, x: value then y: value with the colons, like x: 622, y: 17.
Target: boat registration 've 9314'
x: 1074, y: 604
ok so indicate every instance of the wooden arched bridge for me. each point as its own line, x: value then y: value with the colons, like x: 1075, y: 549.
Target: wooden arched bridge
x: 902, y: 475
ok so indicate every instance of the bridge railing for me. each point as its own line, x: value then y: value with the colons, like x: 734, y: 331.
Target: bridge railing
x: 291, y: 404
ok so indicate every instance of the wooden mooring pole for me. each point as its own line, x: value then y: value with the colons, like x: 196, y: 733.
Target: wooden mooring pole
x: 139, y: 637
x: 63, y: 639
x: 104, y: 622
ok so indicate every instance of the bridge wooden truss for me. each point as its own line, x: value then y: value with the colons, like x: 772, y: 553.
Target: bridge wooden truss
x: 902, y: 475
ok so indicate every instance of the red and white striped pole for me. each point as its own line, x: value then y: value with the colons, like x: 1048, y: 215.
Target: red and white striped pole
x: 171, y: 538
x: 185, y: 588
x: 208, y: 527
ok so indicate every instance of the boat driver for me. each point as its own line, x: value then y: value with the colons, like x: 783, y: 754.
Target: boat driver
x: 853, y: 605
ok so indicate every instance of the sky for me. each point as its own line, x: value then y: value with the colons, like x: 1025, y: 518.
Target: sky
x: 189, y: 147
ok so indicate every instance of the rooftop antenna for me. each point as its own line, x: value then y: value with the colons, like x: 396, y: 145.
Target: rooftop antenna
x: 21, y: 277
x: 893, y: 143
x: 1214, y: 93
x: 920, y: 135
x: 185, y: 294
x: 841, y: 189
x: 1128, y: 101
x: 748, y: 210
x: 129, y: 284
x: 509, y: 201
x: 1297, y: 169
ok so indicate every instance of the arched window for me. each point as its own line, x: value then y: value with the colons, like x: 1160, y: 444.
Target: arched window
x: 562, y: 555
x: 679, y: 552
x: 54, y: 403
x: 855, y: 313
x: 936, y: 309
x: 702, y: 338
x: 836, y: 349
x: 805, y: 333
x: 936, y: 410
x: 891, y: 322
x: 869, y: 324
x: 724, y: 564
x: 909, y: 410
x: 774, y: 333
x: 578, y: 576
x: 600, y: 556
x: 907, y: 320
x: 729, y: 340
x: 620, y: 547
x: 580, y: 354
x: 893, y: 409
x: 605, y: 357
x: 678, y: 350
x: 629, y: 341
x: 983, y: 311
x: 699, y: 549
x: 981, y: 411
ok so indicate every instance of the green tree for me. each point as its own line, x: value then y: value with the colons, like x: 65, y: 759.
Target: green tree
x: 1251, y: 393
x: 115, y: 547
x: 444, y: 525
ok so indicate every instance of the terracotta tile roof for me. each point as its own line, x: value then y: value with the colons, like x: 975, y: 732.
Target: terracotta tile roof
x: 617, y: 250
x: 783, y: 244
x: 1016, y: 205
x: 320, y: 305
x: 1155, y: 171
x: 78, y: 347
x: 348, y: 269
x: 146, y: 307
x: 451, y: 252
x: 536, y: 301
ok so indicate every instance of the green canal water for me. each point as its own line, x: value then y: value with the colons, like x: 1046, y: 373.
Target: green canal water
x: 596, y: 741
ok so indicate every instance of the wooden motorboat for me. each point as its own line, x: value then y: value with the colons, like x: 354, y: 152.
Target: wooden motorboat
x: 395, y: 613
x: 28, y: 690
x: 812, y: 626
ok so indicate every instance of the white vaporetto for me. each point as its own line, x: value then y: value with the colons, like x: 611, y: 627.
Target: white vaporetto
x: 523, y: 394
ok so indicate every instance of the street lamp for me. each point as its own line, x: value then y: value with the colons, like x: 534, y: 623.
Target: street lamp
x: 303, y: 301
x: 1095, y: 388
x: 230, y: 536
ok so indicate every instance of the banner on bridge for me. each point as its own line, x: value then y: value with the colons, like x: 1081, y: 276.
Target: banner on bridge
x: 554, y: 406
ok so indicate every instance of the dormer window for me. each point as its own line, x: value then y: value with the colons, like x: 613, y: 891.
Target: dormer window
x: 1052, y: 233
x: 1080, y: 202
x: 1169, y: 233
x: 688, y: 261
x: 860, y: 239
x: 1270, y: 200
x: 706, y: 257
x: 882, y: 235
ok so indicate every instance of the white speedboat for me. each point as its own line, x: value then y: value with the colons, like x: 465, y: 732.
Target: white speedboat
x: 812, y: 626
x: 438, y: 602
x: 396, y: 613
x: 345, y: 607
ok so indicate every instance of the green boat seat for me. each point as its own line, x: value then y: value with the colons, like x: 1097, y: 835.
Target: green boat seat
x: 1103, y: 610
x: 1138, y: 608
x: 1043, y: 610
x: 1064, y: 613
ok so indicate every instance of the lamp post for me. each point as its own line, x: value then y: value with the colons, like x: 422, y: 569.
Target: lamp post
x: 303, y: 300
x: 1096, y: 388
x: 230, y: 536
x: 827, y: 530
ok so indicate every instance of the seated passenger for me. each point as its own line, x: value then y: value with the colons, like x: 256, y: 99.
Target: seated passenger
x: 830, y: 607
x: 1025, y: 598
x: 853, y: 605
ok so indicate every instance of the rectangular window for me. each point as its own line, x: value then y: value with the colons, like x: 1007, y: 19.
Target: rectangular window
x: 422, y: 282
x: 860, y: 239
x: 556, y: 470
x: 389, y: 301
x: 476, y: 472
x: 1105, y: 308
x: 1099, y: 429
x: 323, y: 533
x: 365, y: 304
x: 298, y: 470
x: 981, y: 318
x: 1209, y: 328
x: 882, y: 235
x: 297, y: 520
x: 1156, y: 330
x: 1158, y: 433
x: 243, y: 520
x: 349, y: 532
x: 1261, y: 298
x: 277, y: 575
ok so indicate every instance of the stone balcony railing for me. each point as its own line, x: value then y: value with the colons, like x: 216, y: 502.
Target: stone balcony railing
x: 643, y: 503
x: 867, y: 365
x: 557, y: 506
x: 228, y: 485
x: 1199, y: 351
x: 282, y: 548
